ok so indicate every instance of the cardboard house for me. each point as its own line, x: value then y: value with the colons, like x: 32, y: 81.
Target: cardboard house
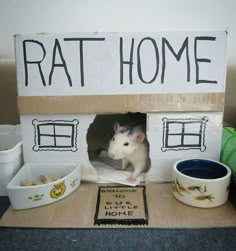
x: 73, y: 87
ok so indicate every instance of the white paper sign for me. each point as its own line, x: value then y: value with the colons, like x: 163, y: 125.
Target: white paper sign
x: 120, y: 63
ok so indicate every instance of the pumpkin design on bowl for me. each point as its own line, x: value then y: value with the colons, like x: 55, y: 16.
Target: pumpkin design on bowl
x: 58, y: 190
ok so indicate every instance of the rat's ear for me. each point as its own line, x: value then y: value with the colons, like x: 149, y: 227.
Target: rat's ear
x: 140, y: 136
x: 116, y: 126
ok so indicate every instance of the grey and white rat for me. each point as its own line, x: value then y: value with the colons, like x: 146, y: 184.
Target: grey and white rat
x: 129, y: 144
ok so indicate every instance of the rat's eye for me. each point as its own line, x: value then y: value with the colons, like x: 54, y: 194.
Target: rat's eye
x: 126, y: 144
x: 113, y: 138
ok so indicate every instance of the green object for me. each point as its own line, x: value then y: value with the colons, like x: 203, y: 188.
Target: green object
x: 73, y: 183
x: 228, y: 150
x: 36, y: 197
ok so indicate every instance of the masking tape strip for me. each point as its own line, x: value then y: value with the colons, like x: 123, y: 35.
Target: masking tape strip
x: 185, y: 102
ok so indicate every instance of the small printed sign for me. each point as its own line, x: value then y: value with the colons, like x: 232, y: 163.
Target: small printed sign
x: 121, y: 205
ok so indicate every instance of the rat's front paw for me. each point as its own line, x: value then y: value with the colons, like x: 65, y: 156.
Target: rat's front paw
x: 131, y: 179
x: 120, y: 168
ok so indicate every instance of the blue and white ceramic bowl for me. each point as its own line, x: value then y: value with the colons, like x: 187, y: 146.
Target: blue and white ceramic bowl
x: 201, y: 182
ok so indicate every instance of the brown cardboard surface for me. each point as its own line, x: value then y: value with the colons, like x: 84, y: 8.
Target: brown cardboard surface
x: 78, y: 210
x: 121, y: 103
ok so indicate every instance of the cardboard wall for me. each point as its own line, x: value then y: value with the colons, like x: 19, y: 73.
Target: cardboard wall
x: 8, y: 93
x: 9, y: 114
x: 176, y: 78
x: 155, y: 15
x: 201, y: 138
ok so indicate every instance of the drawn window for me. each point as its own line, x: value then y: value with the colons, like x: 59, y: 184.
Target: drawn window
x: 184, y: 134
x: 58, y: 135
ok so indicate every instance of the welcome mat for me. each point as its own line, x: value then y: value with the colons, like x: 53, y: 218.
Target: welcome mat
x: 79, y: 208
x: 121, y: 205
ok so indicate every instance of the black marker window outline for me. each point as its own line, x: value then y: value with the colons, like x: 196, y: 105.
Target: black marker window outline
x: 54, y: 135
x: 181, y: 133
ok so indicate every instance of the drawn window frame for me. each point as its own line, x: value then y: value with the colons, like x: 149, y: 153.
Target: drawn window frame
x: 54, y: 136
x: 182, y: 134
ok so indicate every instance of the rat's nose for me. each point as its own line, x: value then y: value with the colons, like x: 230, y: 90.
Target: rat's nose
x: 112, y: 155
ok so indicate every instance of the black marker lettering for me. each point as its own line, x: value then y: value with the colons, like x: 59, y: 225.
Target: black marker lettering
x: 118, y: 202
x: 202, y: 60
x: 177, y: 56
x: 139, y: 60
x: 37, y: 62
x: 57, y: 47
x: 130, y: 62
x: 81, y: 40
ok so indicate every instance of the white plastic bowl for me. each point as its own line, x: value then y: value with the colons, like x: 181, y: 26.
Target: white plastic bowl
x: 22, y: 197
x: 11, y: 154
x: 201, y: 182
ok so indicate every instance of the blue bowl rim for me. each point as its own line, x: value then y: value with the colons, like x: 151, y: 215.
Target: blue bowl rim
x: 228, y: 174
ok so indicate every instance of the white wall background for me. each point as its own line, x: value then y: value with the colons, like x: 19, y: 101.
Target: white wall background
x: 32, y: 16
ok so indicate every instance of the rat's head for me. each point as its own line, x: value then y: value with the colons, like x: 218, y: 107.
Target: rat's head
x: 124, y: 141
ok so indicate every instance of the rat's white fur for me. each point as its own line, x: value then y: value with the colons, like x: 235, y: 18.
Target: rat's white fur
x: 130, y: 145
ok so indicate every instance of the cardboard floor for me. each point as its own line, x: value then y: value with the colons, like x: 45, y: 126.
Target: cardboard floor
x: 78, y: 211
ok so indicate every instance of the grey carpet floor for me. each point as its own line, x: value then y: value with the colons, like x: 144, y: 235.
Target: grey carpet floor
x: 119, y: 239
